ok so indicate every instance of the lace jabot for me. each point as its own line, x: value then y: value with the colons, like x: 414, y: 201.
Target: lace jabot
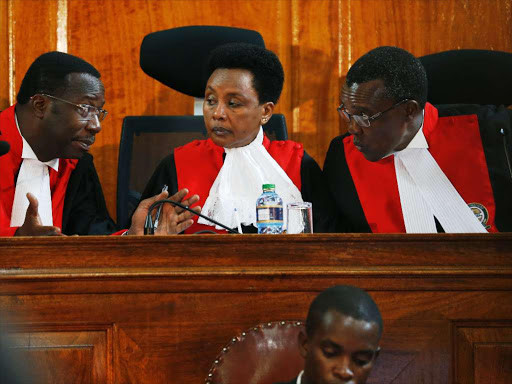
x: 239, y: 183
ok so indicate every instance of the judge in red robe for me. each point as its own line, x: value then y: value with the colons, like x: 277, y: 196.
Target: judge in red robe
x: 50, y: 131
x: 244, y: 85
x: 378, y: 172
x: 78, y: 205
x: 57, y: 132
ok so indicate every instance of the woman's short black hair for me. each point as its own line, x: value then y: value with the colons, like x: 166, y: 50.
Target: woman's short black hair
x: 267, y: 71
x: 47, y: 74
x: 403, y: 74
x: 345, y: 299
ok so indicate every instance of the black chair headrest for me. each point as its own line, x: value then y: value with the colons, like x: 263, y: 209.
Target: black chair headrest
x: 469, y: 76
x: 177, y: 57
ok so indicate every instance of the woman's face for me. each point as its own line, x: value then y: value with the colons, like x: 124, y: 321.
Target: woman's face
x: 232, y: 111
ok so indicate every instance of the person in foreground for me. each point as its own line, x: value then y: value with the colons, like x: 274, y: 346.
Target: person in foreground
x: 407, y: 166
x: 48, y: 183
x: 341, y: 342
x: 229, y: 169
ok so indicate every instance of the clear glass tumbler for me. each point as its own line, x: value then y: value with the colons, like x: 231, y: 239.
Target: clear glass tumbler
x: 299, y: 217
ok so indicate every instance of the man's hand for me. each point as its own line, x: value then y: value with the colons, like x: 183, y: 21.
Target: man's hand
x: 33, y: 225
x: 173, y: 220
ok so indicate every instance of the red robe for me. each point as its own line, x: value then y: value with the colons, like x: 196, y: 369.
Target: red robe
x: 199, y: 162
x: 10, y: 165
x: 460, y: 155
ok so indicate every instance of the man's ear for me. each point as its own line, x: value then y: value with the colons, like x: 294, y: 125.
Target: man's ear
x: 411, y: 109
x: 39, y: 105
x: 303, y: 344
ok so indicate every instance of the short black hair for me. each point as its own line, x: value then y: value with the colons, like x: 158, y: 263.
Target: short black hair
x: 403, y: 74
x: 347, y: 300
x: 47, y: 74
x: 267, y: 71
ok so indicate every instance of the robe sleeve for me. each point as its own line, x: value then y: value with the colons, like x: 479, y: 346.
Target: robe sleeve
x: 164, y: 174
x: 496, y: 133
x: 347, y: 207
x: 314, y: 190
x: 85, y: 211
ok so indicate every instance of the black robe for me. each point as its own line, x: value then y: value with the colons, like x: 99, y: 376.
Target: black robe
x: 85, y: 211
x: 313, y: 189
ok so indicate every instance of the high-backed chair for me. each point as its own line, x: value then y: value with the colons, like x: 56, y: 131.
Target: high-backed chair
x: 265, y: 354
x: 145, y: 141
x: 469, y: 76
x: 177, y: 58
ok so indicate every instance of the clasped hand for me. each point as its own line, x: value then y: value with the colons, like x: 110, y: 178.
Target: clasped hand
x: 173, y: 220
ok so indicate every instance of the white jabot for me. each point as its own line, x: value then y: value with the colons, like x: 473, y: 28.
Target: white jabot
x: 299, y: 378
x: 239, y: 183
x: 425, y: 192
x: 33, y: 177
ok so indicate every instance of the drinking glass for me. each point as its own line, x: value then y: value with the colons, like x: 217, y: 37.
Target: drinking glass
x: 299, y: 217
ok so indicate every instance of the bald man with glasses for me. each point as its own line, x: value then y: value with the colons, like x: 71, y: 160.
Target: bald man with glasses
x: 48, y: 183
x: 407, y: 166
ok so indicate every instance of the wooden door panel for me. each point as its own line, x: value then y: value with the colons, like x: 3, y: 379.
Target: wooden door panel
x: 483, y: 352
x: 493, y: 363
x: 65, y: 353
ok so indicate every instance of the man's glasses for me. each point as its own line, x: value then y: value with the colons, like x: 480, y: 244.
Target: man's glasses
x: 363, y: 120
x: 85, y: 110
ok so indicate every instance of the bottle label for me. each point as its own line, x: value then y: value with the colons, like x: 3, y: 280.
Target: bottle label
x: 269, y: 214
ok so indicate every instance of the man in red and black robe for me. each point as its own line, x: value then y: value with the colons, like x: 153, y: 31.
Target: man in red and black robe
x: 48, y: 183
x: 78, y: 205
x: 55, y: 130
x: 384, y: 102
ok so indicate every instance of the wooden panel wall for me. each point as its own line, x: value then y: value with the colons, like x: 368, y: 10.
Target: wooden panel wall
x: 317, y: 41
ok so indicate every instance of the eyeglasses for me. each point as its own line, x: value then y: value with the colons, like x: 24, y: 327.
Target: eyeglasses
x: 85, y: 110
x: 363, y: 120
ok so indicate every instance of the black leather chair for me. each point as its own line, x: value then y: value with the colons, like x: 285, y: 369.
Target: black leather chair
x: 146, y: 140
x: 469, y: 76
x: 177, y: 58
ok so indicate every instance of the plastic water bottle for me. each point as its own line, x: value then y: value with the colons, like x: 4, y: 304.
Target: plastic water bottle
x: 269, y: 211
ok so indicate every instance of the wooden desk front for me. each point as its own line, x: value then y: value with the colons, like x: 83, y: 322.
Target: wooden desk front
x: 158, y: 310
